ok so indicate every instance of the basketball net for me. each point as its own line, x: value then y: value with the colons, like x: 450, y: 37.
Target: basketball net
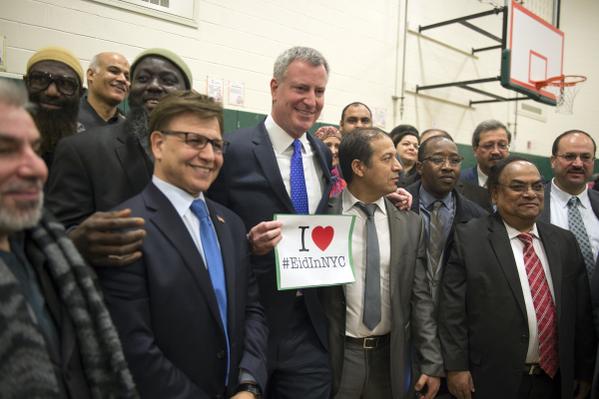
x: 568, y: 86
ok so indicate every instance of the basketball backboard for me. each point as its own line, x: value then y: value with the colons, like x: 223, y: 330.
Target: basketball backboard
x: 535, y: 51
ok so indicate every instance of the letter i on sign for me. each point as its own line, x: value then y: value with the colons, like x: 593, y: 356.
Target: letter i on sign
x: 303, y: 234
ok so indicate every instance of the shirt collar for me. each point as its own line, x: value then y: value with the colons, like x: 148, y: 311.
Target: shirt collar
x: 563, y: 197
x: 513, y: 233
x: 482, y: 177
x: 426, y: 199
x: 180, y: 199
x: 280, y: 139
x: 349, y: 202
x: 117, y: 113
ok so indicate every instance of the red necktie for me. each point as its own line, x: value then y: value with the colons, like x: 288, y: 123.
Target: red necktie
x: 544, y: 307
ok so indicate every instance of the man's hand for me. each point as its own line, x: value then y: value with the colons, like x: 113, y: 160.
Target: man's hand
x: 264, y: 236
x: 401, y: 199
x: 584, y: 387
x: 432, y: 386
x: 109, y: 238
x: 460, y: 384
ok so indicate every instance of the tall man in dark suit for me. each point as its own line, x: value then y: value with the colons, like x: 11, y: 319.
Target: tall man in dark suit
x: 490, y: 143
x: 188, y: 311
x: 440, y: 204
x: 98, y: 169
x: 276, y: 167
x: 372, y: 320
x: 569, y: 204
x: 514, y: 308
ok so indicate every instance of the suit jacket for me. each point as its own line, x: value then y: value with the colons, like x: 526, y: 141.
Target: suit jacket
x: 482, y: 317
x: 546, y: 217
x: 166, y: 312
x: 250, y: 184
x: 411, y: 305
x: 95, y: 171
x: 470, y: 175
x: 464, y: 211
x: 475, y: 193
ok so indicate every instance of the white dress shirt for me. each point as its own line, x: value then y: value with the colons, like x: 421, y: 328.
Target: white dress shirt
x: 532, y: 355
x: 354, y: 292
x: 282, y: 144
x: 482, y: 178
x: 559, y: 213
x: 181, y: 201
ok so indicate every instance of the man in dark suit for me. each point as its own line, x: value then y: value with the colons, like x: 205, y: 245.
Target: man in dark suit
x: 188, y: 311
x: 569, y: 204
x: 439, y: 169
x: 260, y: 177
x: 98, y: 169
x: 514, y: 309
x: 490, y: 143
x: 402, y: 301
x: 56, y: 336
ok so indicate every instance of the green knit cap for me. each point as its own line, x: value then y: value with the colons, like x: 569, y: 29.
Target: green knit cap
x: 169, y: 55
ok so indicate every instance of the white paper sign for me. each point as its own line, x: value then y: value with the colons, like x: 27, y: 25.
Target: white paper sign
x: 315, y: 251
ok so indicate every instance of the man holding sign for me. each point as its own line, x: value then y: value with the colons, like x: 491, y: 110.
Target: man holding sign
x: 371, y: 320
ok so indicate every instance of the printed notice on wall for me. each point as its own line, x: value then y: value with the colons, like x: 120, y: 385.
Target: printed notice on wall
x: 236, y: 93
x: 315, y: 251
x: 215, y: 89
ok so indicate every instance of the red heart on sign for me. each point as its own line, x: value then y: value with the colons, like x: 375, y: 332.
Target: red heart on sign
x: 322, y: 236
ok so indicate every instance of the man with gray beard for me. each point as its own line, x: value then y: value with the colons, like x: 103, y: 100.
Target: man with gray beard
x: 52, y: 318
x: 96, y: 170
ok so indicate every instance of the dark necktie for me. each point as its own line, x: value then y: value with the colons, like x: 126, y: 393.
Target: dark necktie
x: 435, y: 233
x: 372, y: 284
x: 576, y: 226
x: 297, y: 181
x: 214, y: 265
x: 544, y: 307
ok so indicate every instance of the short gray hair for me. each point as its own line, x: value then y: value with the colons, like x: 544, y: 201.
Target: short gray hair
x: 486, y: 126
x: 13, y: 94
x: 307, y: 54
x: 94, y: 63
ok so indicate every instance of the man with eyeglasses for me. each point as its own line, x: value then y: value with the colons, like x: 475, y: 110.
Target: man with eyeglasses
x: 514, y: 307
x: 187, y: 312
x: 435, y: 198
x: 54, y: 81
x: 96, y: 170
x: 490, y: 143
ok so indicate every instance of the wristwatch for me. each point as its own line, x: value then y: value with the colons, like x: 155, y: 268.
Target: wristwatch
x: 251, y: 388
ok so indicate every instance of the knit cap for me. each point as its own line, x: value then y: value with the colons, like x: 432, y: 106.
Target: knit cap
x: 169, y: 55
x: 58, y: 54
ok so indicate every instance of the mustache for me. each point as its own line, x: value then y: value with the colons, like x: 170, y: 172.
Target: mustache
x: 496, y: 157
x: 23, y: 185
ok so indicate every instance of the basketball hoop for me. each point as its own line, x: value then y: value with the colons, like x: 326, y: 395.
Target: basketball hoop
x: 568, y: 86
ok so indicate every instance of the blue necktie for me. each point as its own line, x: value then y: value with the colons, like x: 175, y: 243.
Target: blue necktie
x: 215, y: 266
x: 297, y: 181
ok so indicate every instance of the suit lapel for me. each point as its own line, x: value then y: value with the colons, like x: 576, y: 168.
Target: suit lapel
x: 226, y: 248
x: 134, y: 167
x: 326, y: 172
x: 265, y: 156
x: 551, y: 246
x: 545, y: 215
x: 396, y: 225
x: 166, y: 219
x: 500, y: 243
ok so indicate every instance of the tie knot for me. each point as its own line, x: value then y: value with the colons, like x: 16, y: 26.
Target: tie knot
x: 297, y: 146
x: 198, y: 207
x: 368, y: 209
x: 436, y: 205
x: 526, y: 238
x: 573, y: 202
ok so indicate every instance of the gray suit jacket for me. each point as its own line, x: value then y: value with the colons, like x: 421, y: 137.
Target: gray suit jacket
x: 411, y: 304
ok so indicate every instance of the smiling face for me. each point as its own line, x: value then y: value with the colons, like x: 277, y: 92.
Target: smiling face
x: 572, y: 176
x: 192, y: 170
x: 519, y: 195
x: 153, y: 78
x: 298, y: 98
x: 51, y: 98
x: 109, y: 81
x: 22, y: 171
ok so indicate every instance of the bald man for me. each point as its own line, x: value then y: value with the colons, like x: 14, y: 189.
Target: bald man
x: 107, y: 86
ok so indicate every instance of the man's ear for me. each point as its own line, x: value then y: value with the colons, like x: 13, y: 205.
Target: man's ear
x: 358, y: 167
x: 157, y: 140
x: 419, y: 167
x: 274, y: 85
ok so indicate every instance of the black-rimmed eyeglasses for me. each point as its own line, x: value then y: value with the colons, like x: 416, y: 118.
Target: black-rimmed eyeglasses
x: 440, y: 160
x: 199, y: 142
x: 39, y: 81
